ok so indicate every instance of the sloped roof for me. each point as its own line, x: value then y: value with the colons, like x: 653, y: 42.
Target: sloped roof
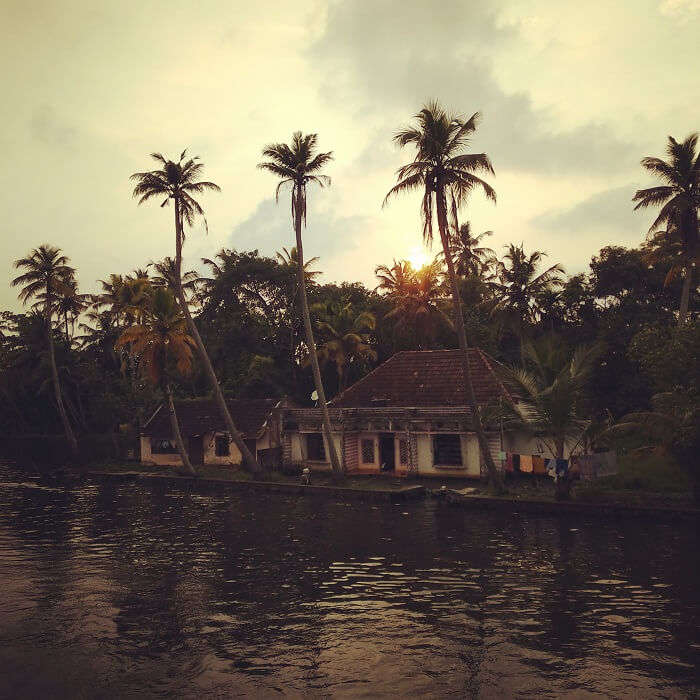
x: 422, y: 378
x: 200, y: 416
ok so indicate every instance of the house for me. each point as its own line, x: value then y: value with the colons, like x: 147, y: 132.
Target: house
x: 204, y: 432
x: 407, y: 417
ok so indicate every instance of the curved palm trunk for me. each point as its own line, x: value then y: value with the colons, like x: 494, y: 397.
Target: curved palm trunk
x: 311, y: 344
x: 248, y: 458
x: 685, y: 296
x: 175, y: 427
x: 70, y: 436
x: 495, y: 479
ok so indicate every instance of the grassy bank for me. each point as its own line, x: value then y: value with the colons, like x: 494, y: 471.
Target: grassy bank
x: 228, y: 473
x: 643, y: 479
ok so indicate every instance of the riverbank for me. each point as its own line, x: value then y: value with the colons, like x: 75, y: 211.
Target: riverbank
x: 643, y: 486
x: 217, y: 480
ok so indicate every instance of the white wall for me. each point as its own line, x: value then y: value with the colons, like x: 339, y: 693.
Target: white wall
x: 522, y: 443
x: 299, y: 454
x: 209, y: 447
x: 470, y: 458
x: 165, y: 460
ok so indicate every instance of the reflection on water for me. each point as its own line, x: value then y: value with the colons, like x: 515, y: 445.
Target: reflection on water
x: 113, y: 590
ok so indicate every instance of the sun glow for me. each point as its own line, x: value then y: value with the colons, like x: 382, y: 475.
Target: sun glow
x: 418, y: 257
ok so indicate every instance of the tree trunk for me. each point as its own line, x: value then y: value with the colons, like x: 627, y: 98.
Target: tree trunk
x: 248, y: 458
x: 72, y: 442
x: 562, y: 486
x: 177, y: 436
x: 310, y: 343
x: 495, y: 478
x: 685, y: 295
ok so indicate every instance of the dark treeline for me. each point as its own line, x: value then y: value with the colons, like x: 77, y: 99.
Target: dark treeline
x: 245, y: 309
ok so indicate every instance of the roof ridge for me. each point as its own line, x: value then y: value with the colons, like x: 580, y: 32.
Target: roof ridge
x: 486, y: 361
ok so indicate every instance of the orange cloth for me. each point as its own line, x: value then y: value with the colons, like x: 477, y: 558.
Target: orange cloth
x: 526, y: 463
x: 538, y: 465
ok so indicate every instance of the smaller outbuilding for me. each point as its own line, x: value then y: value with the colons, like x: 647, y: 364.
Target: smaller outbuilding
x: 204, y: 432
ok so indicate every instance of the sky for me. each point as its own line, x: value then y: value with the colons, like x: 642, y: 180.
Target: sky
x: 572, y: 96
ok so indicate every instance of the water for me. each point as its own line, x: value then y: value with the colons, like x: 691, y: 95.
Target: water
x: 124, y: 590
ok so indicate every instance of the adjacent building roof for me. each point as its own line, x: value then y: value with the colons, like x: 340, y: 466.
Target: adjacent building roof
x: 200, y: 416
x: 425, y: 378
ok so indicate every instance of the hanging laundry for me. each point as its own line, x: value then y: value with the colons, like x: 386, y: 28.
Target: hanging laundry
x: 562, y: 466
x: 526, y: 463
x: 538, y: 465
x: 551, y: 467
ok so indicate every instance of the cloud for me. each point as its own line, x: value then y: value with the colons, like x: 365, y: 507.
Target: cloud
x: 50, y: 129
x: 609, y: 211
x: 389, y: 60
x: 683, y: 10
x: 269, y: 229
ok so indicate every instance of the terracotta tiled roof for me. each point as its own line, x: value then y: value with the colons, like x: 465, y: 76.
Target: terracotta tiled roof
x: 200, y: 416
x: 419, y: 378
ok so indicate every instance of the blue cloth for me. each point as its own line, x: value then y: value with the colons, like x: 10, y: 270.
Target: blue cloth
x: 550, y: 466
x: 562, y: 466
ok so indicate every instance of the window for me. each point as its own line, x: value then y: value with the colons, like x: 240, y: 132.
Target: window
x: 403, y: 451
x: 367, y: 450
x: 315, y: 449
x: 221, y: 446
x: 163, y: 447
x: 447, y: 450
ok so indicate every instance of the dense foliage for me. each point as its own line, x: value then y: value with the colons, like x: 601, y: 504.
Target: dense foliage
x: 246, y: 312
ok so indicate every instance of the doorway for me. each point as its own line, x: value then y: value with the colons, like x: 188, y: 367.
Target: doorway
x: 195, y: 449
x: 387, y: 453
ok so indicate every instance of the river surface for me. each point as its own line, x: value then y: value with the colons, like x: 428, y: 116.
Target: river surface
x: 122, y: 590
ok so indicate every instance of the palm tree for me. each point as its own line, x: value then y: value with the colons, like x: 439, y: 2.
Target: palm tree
x: 551, y: 390
x: 159, y: 340
x: 346, y: 334
x: 446, y: 174
x: 46, y: 272
x: 111, y: 296
x: 666, y: 248
x: 178, y: 181
x: 471, y: 257
x: 297, y: 166
x: 395, y: 279
x: 417, y: 298
x: 100, y: 334
x: 140, y: 273
x: 521, y: 288
x: 290, y: 258
x: 70, y: 304
x: 167, y: 277
x: 679, y: 199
